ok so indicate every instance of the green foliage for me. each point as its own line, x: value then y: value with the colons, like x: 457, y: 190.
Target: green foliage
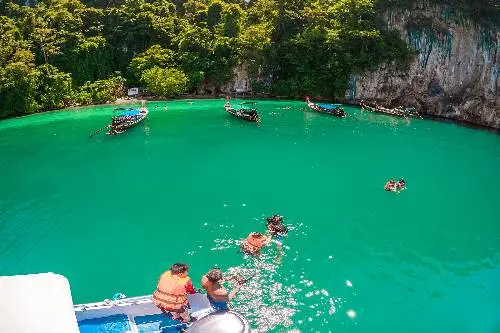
x: 316, y: 46
x: 194, y: 80
x: 55, y: 88
x: 18, y: 88
x: 155, y: 56
x: 165, y: 82
x: 55, y: 53
x: 18, y: 81
x: 101, y: 91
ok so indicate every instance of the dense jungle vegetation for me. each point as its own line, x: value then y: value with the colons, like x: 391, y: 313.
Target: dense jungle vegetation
x: 56, y: 53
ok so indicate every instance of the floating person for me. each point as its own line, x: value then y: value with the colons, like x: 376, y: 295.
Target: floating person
x: 254, y: 243
x: 401, y: 184
x: 277, y: 229
x: 216, y: 293
x: 170, y: 294
x: 390, y: 186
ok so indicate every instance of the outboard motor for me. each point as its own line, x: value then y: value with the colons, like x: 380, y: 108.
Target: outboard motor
x: 220, y: 322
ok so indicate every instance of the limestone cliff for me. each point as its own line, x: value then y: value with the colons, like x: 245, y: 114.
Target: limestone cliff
x: 455, y: 73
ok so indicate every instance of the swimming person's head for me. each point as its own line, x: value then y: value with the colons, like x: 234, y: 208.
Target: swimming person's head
x: 257, y: 235
x: 214, y: 275
x: 280, y: 228
x: 275, y: 219
x: 179, y: 269
x: 402, y: 180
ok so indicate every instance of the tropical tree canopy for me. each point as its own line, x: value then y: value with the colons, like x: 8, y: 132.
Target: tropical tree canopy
x: 55, y: 53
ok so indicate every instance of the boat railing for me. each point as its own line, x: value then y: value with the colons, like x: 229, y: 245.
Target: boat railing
x: 111, y: 303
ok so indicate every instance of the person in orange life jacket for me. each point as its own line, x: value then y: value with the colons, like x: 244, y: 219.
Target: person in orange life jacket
x: 216, y: 293
x: 170, y: 295
x: 254, y: 243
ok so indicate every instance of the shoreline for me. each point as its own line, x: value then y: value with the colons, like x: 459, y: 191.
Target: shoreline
x: 130, y: 101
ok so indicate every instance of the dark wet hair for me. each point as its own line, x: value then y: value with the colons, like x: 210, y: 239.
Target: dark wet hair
x: 257, y: 234
x: 278, y: 228
x: 214, y: 275
x: 402, y: 180
x: 179, y: 268
x: 275, y: 219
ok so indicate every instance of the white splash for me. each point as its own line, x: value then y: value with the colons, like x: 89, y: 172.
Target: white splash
x: 351, y: 314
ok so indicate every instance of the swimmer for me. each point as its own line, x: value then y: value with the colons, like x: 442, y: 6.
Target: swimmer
x: 254, y: 243
x: 275, y: 219
x: 390, y: 186
x: 277, y: 229
x: 401, y: 184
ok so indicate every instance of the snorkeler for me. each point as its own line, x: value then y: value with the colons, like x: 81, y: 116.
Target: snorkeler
x: 254, y: 243
x: 401, y: 184
x: 277, y: 229
x: 390, y: 186
x: 275, y: 219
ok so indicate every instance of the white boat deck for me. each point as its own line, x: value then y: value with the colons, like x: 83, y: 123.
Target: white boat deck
x: 42, y: 303
x: 134, y: 315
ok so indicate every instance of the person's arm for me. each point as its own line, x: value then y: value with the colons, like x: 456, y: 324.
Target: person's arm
x: 233, y: 292
x: 189, y: 287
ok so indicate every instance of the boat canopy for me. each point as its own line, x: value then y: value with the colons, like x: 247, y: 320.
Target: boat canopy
x: 329, y: 106
x: 247, y: 105
x: 36, y: 303
x: 129, y: 113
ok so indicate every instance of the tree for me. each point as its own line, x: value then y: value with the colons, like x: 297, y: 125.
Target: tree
x: 166, y: 82
x: 55, y: 88
x: 155, y: 56
x: 101, y: 91
x: 18, y: 84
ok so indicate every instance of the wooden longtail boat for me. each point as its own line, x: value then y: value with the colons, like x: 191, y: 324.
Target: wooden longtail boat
x: 396, y: 112
x: 126, y: 119
x: 331, y: 109
x: 243, y: 112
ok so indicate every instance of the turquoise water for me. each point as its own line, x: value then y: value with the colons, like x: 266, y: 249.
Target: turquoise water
x: 112, y: 213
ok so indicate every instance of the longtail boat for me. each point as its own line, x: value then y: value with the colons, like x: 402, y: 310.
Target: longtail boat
x: 396, y: 112
x: 126, y: 119
x: 243, y: 111
x: 331, y: 109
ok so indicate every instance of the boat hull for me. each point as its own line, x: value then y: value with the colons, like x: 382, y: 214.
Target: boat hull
x: 391, y: 112
x: 337, y: 112
x: 243, y: 115
x: 122, y: 127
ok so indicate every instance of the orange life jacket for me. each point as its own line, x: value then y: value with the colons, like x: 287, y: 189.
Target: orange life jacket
x: 170, y: 294
x: 253, y: 244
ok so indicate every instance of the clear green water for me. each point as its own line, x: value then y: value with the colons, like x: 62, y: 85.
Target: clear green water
x: 111, y: 213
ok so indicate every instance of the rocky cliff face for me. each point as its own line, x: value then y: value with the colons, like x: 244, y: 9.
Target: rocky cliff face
x: 454, y: 75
